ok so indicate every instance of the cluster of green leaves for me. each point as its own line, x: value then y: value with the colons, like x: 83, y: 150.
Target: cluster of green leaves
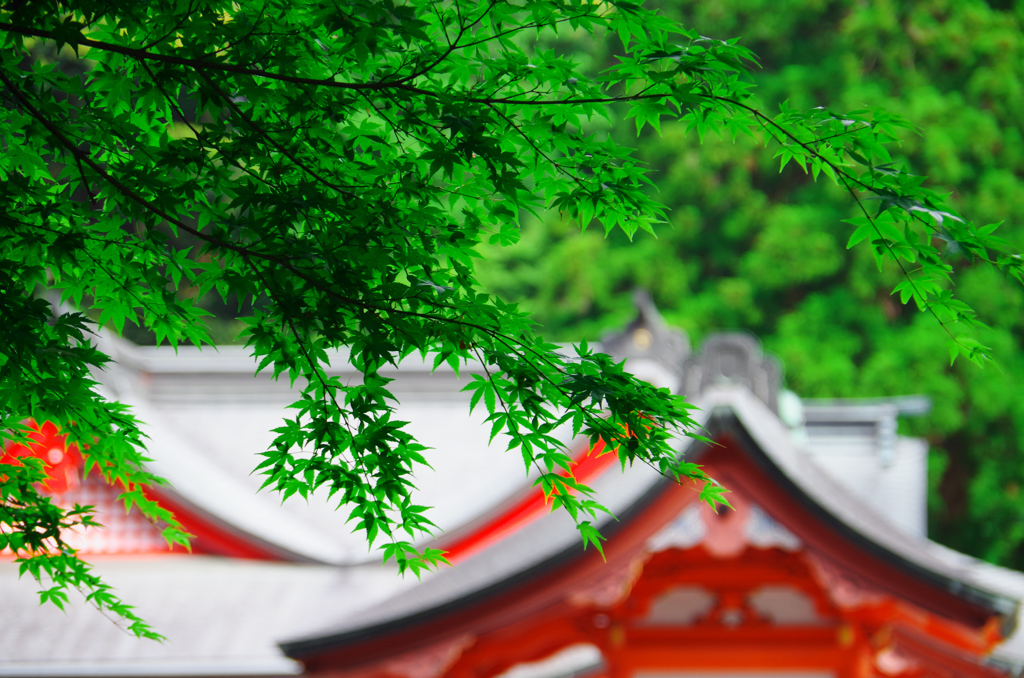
x: 44, y: 373
x: 335, y: 169
x: 750, y: 247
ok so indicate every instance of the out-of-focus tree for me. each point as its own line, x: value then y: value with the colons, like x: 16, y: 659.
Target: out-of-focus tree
x: 750, y: 247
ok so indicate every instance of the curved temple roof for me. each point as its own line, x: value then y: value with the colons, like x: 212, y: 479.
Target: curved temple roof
x: 913, y: 568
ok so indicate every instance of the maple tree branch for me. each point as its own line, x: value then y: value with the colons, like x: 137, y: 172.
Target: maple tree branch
x: 202, y: 65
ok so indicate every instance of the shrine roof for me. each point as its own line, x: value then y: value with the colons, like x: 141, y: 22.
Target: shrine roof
x: 207, y: 416
x: 552, y: 541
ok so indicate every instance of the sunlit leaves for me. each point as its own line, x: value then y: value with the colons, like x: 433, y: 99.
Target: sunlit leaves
x: 899, y: 217
x: 338, y: 167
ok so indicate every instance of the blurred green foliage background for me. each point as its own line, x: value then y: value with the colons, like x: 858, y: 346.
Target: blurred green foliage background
x: 749, y: 247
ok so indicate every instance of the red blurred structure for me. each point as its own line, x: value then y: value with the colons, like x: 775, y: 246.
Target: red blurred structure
x: 63, y: 463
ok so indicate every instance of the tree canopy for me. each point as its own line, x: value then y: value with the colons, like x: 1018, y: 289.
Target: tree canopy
x: 331, y: 170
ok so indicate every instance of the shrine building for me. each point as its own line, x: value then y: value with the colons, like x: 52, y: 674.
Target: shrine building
x: 822, y: 568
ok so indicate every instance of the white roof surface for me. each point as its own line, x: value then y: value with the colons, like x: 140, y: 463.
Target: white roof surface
x: 220, y: 616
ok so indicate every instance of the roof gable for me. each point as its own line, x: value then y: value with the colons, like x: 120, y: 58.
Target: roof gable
x: 855, y: 572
